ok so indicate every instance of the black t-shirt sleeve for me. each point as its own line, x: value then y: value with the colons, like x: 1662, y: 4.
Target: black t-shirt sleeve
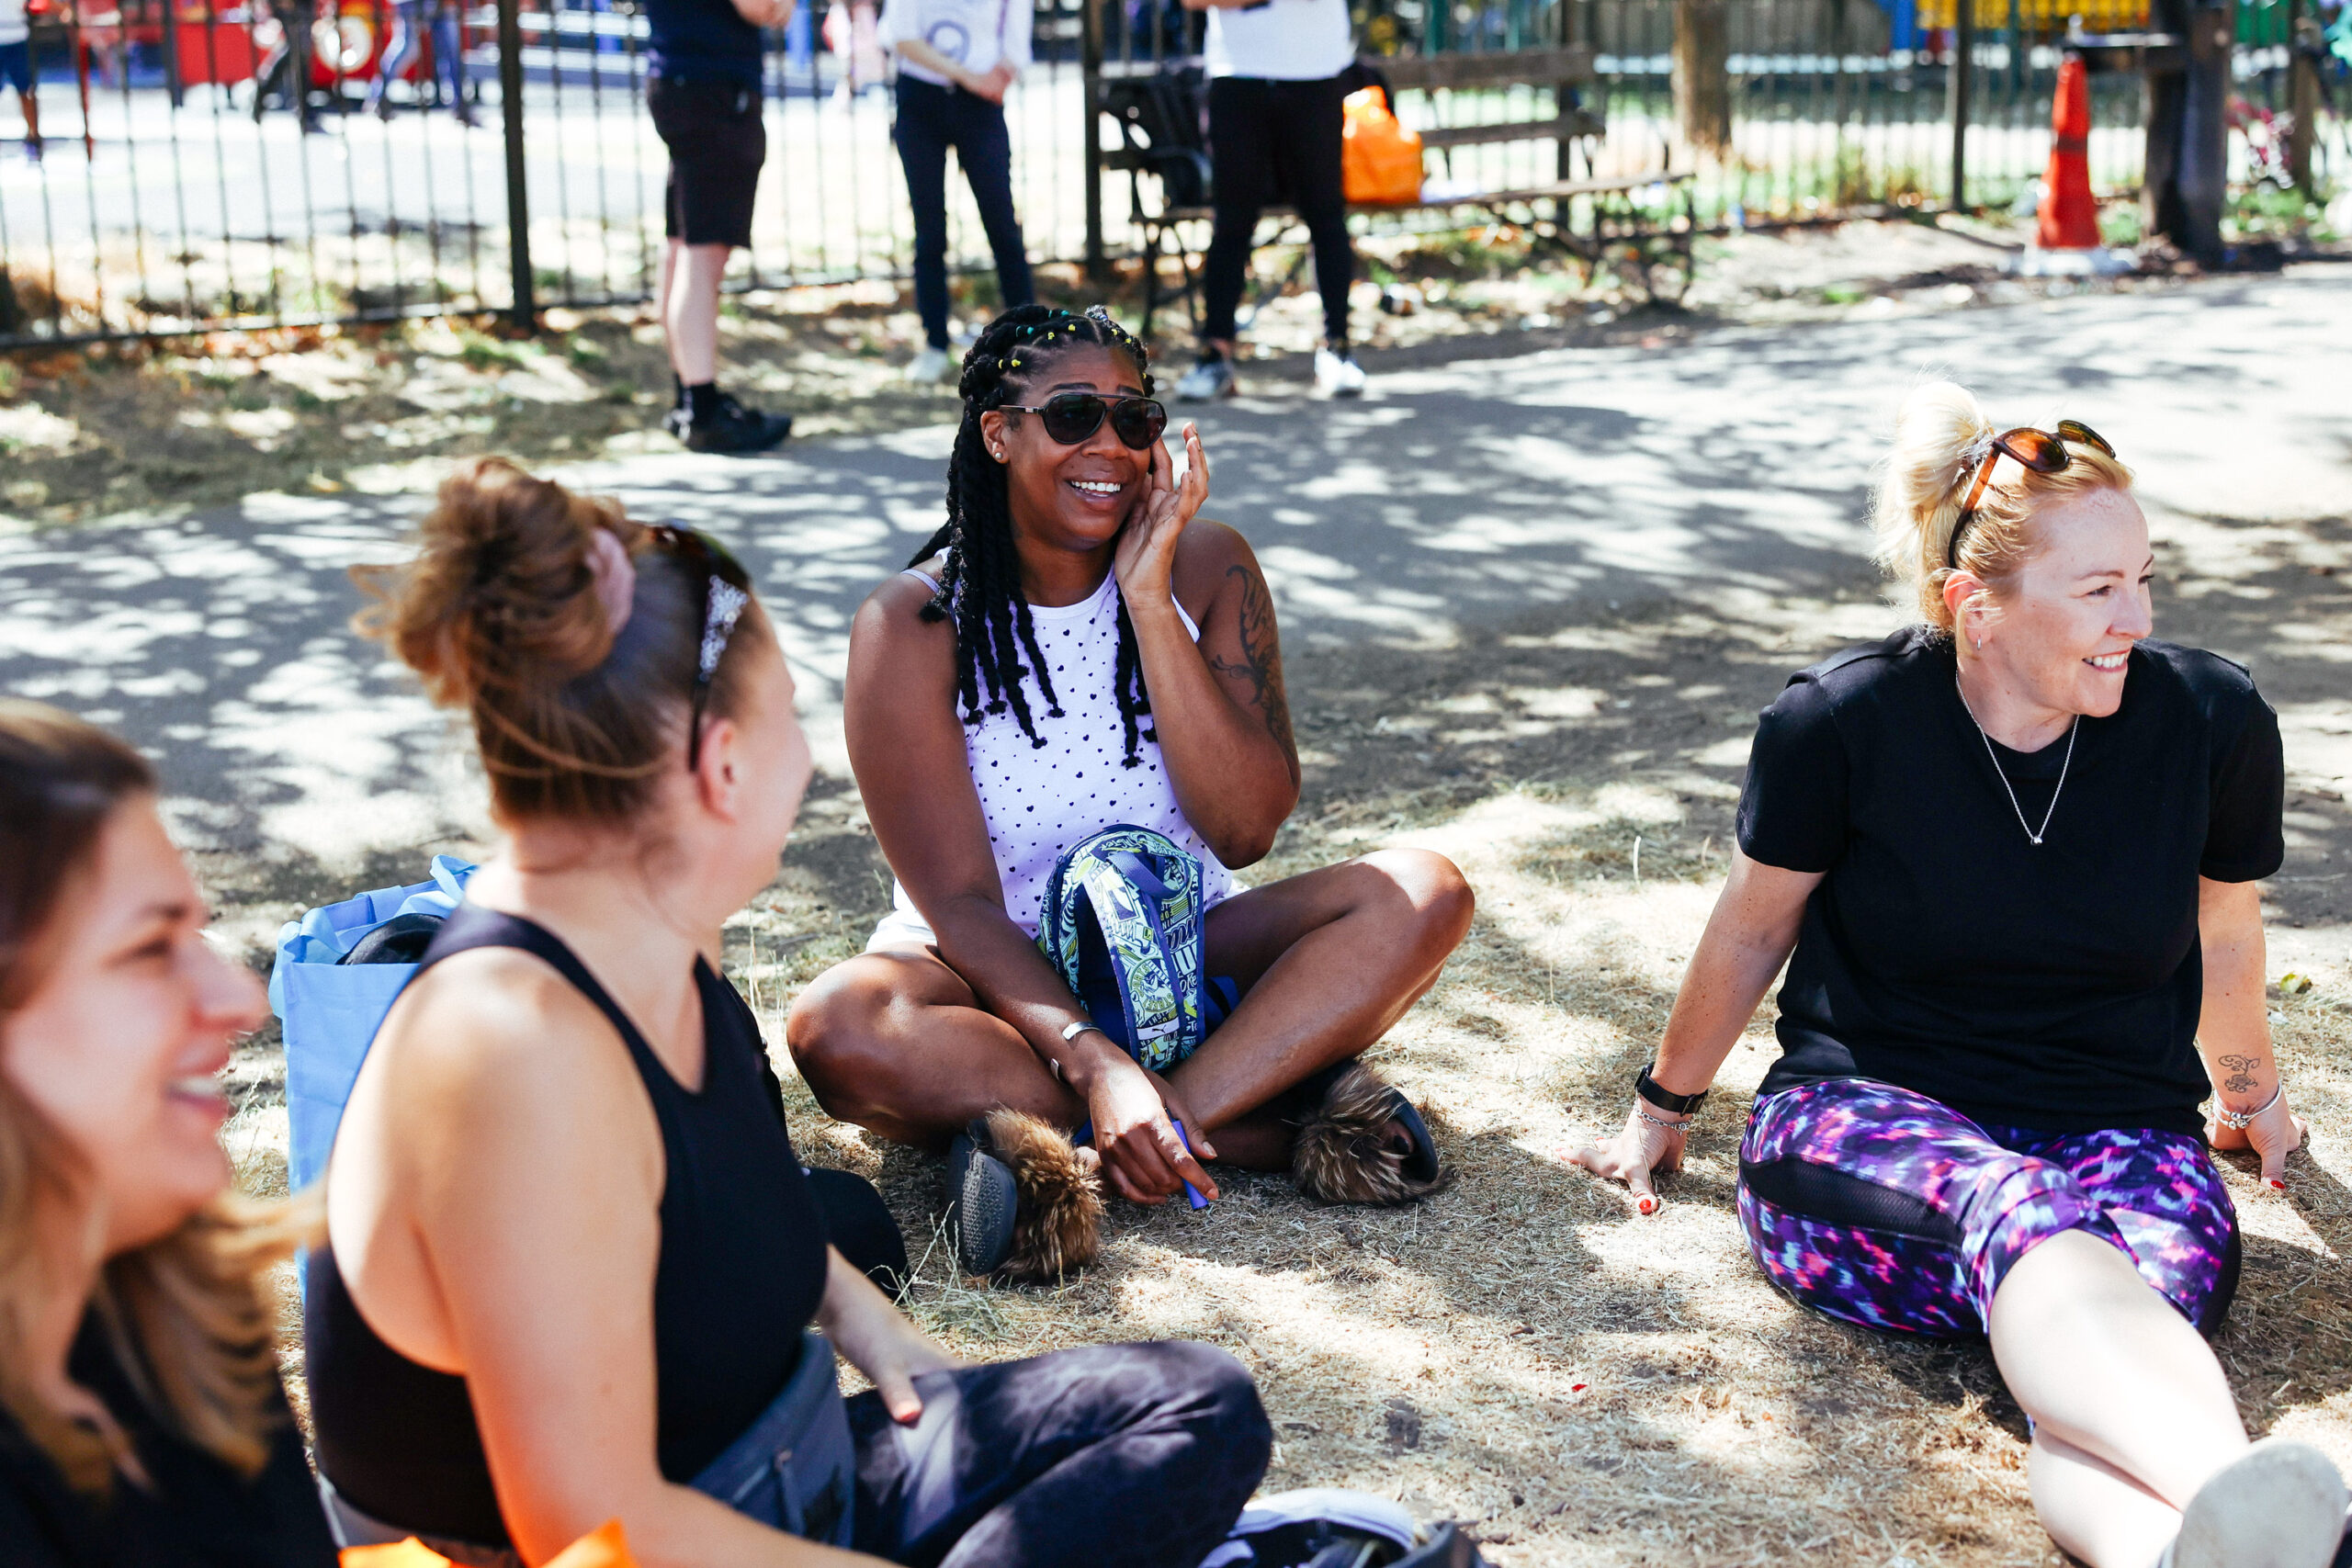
x: 1793, y: 808
x: 2246, y: 840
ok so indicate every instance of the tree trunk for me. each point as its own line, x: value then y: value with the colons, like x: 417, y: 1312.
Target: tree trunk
x: 1702, y: 75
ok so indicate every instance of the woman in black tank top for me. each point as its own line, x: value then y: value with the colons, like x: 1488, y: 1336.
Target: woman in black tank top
x: 571, y: 1253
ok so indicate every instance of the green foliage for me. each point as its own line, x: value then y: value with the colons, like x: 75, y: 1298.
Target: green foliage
x: 480, y: 351
x: 2121, y: 223
x: 2264, y: 211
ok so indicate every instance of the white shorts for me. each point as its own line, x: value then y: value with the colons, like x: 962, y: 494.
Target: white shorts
x: 900, y: 929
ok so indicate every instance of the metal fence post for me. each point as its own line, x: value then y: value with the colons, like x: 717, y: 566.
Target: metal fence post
x: 524, y: 314
x: 1958, y: 86
x: 1089, y: 78
x: 2305, y: 50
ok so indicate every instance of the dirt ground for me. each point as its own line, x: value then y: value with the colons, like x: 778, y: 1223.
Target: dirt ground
x: 1524, y: 1352
x: 382, y: 409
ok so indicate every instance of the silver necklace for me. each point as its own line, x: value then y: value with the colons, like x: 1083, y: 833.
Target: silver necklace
x: 2003, y: 777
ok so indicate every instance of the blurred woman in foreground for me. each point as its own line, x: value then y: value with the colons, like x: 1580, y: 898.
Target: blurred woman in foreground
x: 141, y: 1416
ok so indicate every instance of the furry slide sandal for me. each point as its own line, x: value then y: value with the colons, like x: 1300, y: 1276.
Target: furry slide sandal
x: 1344, y: 1154
x: 1021, y: 1201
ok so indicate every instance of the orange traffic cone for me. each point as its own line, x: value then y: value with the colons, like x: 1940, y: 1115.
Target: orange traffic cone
x: 2069, y: 217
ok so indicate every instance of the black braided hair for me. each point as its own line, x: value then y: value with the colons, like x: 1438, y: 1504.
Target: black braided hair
x: 979, y: 585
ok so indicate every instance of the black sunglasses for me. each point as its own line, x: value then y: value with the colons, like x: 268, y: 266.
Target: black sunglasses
x: 726, y: 589
x: 1070, y: 417
x: 2043, y: 451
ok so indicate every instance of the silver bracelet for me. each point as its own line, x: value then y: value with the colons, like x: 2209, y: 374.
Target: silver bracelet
x: 1681, y: 1126
x: 2239, y: 1120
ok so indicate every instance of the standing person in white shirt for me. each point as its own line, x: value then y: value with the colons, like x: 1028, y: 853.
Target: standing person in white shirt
x: 16, y: 69
x: 1274, y: 123
x: 957, y: 60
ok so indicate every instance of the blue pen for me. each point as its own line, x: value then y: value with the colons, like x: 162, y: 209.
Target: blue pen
x: 1191, y: 1194
x: 1085, y: 1135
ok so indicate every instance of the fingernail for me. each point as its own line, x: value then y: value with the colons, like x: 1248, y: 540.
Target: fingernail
x: 1646, y: 1205
x: 2277, y: 1184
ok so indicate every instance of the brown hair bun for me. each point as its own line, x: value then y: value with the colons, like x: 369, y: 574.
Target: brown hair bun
x: 500, y: 614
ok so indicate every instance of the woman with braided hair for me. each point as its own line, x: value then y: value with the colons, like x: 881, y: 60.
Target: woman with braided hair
x: 1077, y: 649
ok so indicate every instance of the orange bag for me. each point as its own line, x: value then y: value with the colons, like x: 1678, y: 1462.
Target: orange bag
x: 603, y: 1547
x: 1380, y: 161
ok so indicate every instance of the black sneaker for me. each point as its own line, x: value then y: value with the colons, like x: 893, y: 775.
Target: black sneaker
x: 732, y: 427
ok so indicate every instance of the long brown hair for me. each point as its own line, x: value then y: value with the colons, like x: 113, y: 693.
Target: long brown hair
x: 189, y: 1315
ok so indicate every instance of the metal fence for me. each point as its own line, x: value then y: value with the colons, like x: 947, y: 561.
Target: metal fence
x: 181, y: 190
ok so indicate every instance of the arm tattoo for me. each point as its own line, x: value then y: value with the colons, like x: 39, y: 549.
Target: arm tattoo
x: 2241, y: 1076
x: 1262, y: 659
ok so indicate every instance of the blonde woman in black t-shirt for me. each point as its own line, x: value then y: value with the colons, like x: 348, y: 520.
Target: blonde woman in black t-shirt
x: 2009, y: 857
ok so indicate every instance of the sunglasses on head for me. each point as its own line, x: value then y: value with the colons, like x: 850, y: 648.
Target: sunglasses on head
x: 2043, y: 451
x: 1070, y: 417
x: 726, y: 589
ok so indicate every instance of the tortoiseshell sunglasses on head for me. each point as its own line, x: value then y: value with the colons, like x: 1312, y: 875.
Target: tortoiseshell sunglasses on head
x: 2043, y: 451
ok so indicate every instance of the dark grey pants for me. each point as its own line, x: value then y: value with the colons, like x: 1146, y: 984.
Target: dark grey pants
x: 1109, y: 1456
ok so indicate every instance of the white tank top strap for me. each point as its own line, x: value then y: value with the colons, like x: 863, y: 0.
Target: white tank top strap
x: 1110, y: 585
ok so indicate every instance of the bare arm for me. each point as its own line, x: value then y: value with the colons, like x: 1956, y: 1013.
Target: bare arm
x: 765, y: 13
x: 906, y: 745
x: 1218, y: 706
x: 528, y: 1173
x: 1748, y: 936
x: 2233, y: 1031
x: 989, y: 85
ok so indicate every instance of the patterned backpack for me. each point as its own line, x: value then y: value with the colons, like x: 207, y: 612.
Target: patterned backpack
x: 1121, y: 922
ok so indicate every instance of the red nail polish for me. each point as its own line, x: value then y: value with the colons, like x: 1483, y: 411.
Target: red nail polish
x: 2277, y: 1184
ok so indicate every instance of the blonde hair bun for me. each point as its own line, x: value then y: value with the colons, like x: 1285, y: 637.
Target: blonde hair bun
x: 1942, y: 437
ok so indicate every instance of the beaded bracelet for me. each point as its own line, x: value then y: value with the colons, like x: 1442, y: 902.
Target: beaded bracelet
x: 2239, y: 1120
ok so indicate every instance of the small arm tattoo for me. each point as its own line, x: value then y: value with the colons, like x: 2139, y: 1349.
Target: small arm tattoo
x: 2241, y: 1076
x: 1262, y: 659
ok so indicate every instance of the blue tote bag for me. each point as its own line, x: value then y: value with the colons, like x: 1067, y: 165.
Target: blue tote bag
x: 332, y: 1009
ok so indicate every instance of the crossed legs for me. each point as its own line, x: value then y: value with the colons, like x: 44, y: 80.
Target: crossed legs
x: 895, y: 1041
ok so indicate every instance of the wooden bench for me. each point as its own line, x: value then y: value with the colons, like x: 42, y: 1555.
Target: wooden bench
x: 1158, y: 137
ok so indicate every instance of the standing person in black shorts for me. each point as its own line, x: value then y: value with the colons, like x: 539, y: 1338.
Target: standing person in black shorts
x: 702, y: 91
x: 1275, y: 92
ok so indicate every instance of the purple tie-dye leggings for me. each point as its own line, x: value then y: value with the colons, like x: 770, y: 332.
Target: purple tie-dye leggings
x: 1878, y: 1206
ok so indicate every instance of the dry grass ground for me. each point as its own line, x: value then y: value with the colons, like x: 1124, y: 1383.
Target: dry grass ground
x: 1525, y: 1351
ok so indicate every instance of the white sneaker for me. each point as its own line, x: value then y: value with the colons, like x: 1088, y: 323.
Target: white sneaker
x: 930, y: 367
x: 2279, y: 1505
x: 1338, y: 375
x: 1206, y: 382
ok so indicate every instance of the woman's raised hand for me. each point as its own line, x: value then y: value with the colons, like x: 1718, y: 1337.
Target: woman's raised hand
x: 1652, y: 1140
x: 1147, y: 555
x: 2273, y: 1133
x: 1134, y: 1112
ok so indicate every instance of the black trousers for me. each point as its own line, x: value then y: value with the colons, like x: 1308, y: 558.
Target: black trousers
x: 1112, y: 1456
x: 933, y: 118
x: 1267, y: 141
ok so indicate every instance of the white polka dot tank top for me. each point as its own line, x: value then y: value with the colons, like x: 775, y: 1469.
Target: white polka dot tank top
x: 1040, y: 800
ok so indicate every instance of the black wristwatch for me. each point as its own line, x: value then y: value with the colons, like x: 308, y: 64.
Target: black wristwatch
x: 1666, y: 1099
